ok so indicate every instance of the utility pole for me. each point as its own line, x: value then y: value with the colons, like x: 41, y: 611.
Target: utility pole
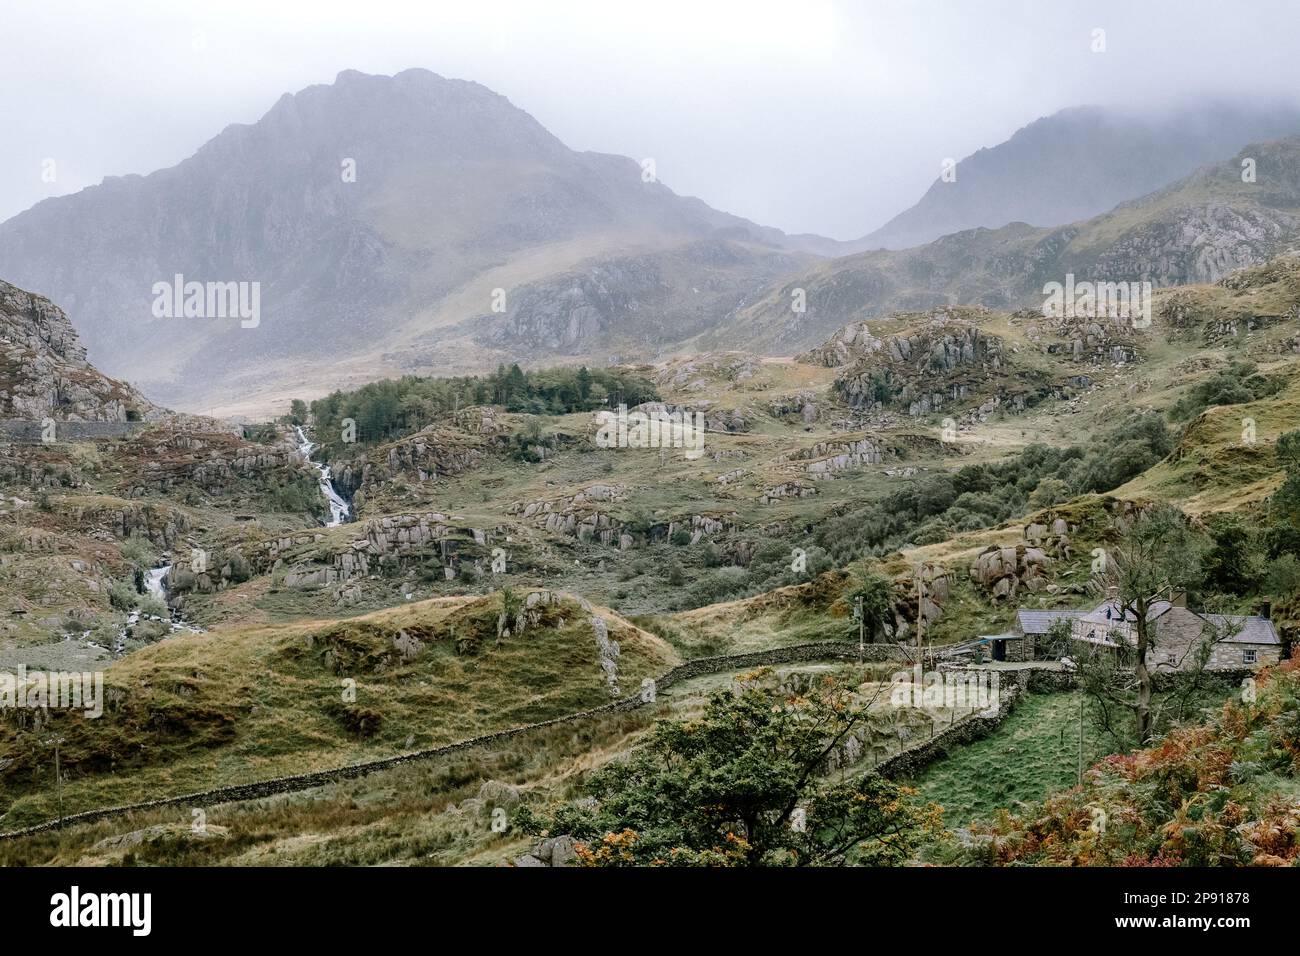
x: 857, y: 612
x: 920, y: 615
x: 1081, y: 738
x: 58, y: 781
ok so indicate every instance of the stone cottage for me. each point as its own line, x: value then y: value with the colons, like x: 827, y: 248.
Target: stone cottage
x: 1245, y: 640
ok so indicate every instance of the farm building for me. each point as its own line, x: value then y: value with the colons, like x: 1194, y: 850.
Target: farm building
x: 1243, y: 640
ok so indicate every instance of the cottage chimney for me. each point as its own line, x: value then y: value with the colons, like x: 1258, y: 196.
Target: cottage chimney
x: 1112, y: 593
x: 1266, y: 610
x: 1178, y: 597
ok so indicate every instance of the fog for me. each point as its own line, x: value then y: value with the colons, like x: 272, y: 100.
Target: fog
x: 812, y: 116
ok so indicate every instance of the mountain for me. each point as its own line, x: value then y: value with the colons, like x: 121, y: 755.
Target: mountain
x: 1195, y: 230
x: 371, y: 213
x: 44, y: 372
x: 1076, y: 164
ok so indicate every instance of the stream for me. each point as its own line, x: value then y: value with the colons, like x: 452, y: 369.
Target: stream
x: 340, y: 511
x: 155, y: 580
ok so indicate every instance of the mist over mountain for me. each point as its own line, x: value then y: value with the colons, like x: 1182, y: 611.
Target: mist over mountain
x: 387, y: 482
x: 357, y: 207
x: 1078, y: 163
x: 417, y: 224
x: 1192, y: 231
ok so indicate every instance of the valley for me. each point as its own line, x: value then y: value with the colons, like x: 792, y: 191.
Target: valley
x: 528, y: 513
x: 458, y: 569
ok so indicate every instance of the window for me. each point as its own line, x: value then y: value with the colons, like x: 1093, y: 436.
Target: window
x: 1249, y: 656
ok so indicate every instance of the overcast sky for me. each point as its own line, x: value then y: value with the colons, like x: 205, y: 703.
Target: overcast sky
x: 809, y: 115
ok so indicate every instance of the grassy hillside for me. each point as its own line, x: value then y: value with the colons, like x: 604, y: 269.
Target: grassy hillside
x: 202, y: 710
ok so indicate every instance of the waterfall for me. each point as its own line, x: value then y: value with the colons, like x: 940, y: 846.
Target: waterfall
x: 340, y: 511
x: 153, y: 584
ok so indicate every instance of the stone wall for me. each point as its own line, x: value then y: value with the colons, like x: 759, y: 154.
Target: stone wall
x: 28, y: 431
x: 1012, y: 685
x: 297, y: 782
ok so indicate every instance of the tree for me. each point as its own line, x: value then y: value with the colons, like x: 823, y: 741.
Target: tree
x: 745, y: 784
x: 1057, y: 642
x: 1050, y: 491
x: 876, y: 595
x: 1160, y: 554
x: 1228, y: 561
x: 1284, y: 536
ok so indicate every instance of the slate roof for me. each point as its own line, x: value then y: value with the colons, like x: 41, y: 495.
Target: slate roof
x: 1251, y: 629
x: 1110, y: 611
x: 1037, y: 622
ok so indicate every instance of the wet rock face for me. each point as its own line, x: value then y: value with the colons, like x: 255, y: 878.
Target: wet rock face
x: 43, y: 367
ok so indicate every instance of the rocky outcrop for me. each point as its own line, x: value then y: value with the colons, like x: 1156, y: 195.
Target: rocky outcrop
x: 828, y: 458
x: 716, y: 418
x: 1005, y: 572
x: 1099, y: 340
x: 607, y: 652
x: 159, y: 525
x: 1052, y: 537
x: 44, y: 372
x: 584, y: 496
x: 163, y: 458
x: 802, y: 403
x: 384, y: 544
x: 846, y: 345
x: 701, y: 372
x: 1200, y: 243
x: 925, y: 369
x: 426, y: 456
x: 785, y: 490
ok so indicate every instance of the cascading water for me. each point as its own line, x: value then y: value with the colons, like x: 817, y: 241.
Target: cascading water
x: 340, y: 511
x: 153, y: 584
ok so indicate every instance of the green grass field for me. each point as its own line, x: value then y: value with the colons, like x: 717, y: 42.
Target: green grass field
x: 1035, y: 751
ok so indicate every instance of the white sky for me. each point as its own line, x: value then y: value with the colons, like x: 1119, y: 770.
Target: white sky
x: 810, y: 115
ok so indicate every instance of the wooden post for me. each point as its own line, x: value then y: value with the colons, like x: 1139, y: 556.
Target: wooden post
x: 1080, y: 738
x: 920, y: 617
x: 862, y: 648
x: 58, y: 781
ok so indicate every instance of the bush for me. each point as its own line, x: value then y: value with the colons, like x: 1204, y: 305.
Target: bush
x: 139, y: 552
x: 123, y: 596
x: 718, y: 585
x: 1237, y: 384
x: 1282, y: 579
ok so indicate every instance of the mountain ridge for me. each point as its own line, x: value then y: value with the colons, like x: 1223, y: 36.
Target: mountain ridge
x: 1078, y: 163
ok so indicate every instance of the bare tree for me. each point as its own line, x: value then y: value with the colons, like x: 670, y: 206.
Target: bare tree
x: 1157, y: 557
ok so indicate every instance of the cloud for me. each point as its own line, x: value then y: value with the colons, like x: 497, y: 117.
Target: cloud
x: 810, y: 115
